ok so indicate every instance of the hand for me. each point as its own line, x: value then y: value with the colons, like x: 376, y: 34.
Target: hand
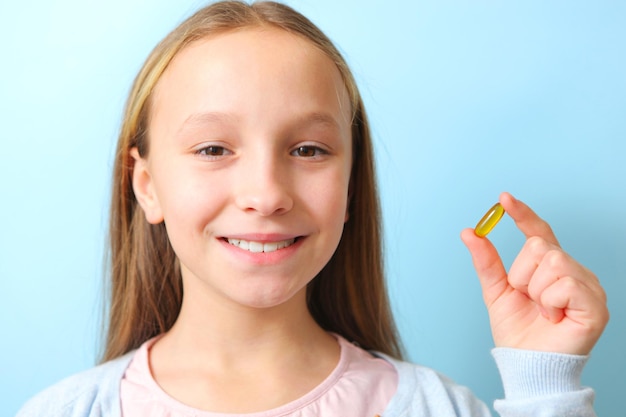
x: 548, y: 301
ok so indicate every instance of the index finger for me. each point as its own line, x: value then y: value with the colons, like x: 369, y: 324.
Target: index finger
x: 527, y: 221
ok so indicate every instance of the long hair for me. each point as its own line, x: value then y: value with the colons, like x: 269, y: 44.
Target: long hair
x: 347, y: 297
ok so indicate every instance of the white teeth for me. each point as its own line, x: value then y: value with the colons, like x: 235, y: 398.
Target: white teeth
x: 256, y: 247
x: 270, y: 247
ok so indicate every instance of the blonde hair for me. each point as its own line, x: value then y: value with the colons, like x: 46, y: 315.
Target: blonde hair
x: 347, y: 297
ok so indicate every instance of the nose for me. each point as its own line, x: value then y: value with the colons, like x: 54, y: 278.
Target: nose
x: 263, y: 186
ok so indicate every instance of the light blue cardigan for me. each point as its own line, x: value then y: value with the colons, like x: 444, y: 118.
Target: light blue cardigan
x: 536, y: 384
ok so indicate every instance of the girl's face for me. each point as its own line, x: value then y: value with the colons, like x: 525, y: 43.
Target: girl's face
x: 249, y: 165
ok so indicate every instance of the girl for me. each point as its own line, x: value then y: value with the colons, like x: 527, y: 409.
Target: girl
x: 245, y: 250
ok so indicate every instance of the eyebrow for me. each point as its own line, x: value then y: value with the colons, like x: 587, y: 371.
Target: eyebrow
x: 321, y: 118
x: 304, y: 120
x: 208, y: 117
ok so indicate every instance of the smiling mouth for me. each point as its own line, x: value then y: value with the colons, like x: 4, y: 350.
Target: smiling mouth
x: 258, y: 247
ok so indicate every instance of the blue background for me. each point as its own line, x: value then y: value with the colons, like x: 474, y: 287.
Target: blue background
x: 466, y: 99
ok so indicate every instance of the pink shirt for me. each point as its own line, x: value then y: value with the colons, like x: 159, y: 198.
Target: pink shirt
x: 360, y: 385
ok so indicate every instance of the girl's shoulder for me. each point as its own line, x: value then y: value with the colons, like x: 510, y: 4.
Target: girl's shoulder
x: 94, y: 392
x: 421, y: 389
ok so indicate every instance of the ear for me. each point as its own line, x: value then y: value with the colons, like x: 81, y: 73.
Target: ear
x: 143, y: 187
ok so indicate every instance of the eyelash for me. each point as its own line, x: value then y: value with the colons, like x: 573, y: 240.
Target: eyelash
x: 307, y: 148
x: 217, y: 151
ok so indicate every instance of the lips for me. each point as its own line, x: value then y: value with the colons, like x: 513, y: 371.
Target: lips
x: 257, y: 247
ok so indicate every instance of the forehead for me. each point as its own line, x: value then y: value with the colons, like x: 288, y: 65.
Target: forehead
x: 253, y: 71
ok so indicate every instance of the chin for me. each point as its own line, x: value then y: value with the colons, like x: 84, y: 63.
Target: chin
x: 265, y: 297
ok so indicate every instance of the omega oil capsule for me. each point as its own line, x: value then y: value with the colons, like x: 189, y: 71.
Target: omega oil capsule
x: 489, y: 220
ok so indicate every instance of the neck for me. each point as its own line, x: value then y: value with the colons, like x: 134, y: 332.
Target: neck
x: 233, y: 334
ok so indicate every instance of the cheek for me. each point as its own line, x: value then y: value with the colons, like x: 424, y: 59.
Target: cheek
x: 329, y: 199
x: 189, y: 202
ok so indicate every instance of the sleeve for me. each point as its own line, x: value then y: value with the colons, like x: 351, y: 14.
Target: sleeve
x: 542, y: 384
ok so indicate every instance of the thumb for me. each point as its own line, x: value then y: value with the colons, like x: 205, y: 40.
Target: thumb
x: 488, y: 265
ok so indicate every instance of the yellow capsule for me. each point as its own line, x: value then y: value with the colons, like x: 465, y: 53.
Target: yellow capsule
x: 489, y: 220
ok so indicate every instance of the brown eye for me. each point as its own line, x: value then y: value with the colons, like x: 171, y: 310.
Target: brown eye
x: 307, y: 151
x: 212, y: 151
